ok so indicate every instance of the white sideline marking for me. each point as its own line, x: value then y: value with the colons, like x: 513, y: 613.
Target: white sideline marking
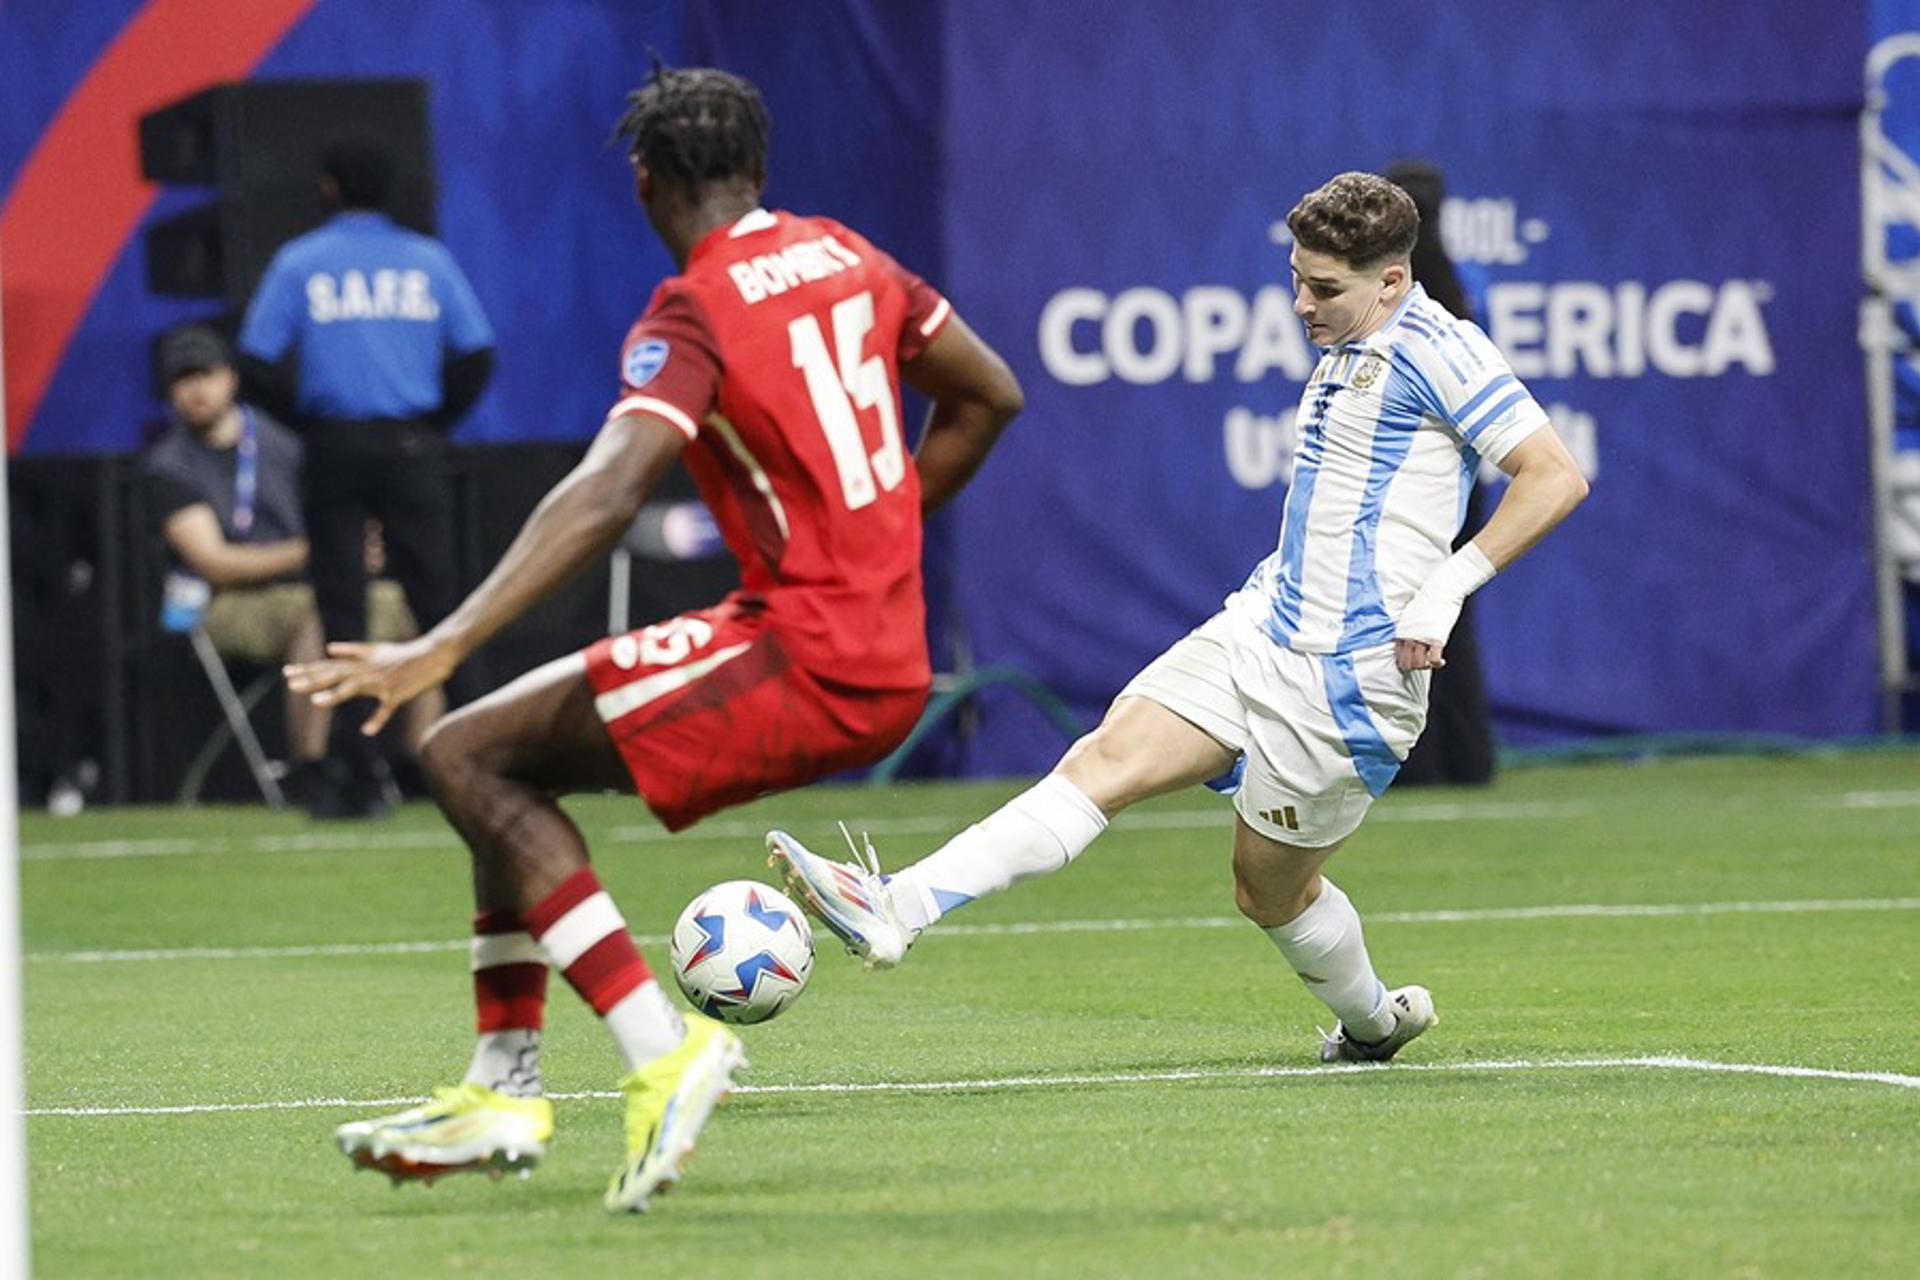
x: 254, y: 953
x: 1641, y: 910
x: 1465, y: 916
x: 1880, y: 800
x: 1893, y: 1078
x: 377, y: 841
x: 1510, y: 811
x: 1219, y: 816
x: 299, y: 842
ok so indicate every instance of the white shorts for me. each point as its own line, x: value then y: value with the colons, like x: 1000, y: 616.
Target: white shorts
x: 1322, y: 734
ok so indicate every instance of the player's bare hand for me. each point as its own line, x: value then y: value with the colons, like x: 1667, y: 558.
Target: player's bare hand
x: 1418, y: 655
x: 393, y: 674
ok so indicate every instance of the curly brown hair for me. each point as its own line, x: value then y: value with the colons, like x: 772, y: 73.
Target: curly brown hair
x: 1360, y: 217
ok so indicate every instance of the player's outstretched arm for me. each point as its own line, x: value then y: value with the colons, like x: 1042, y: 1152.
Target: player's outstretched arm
x: 974, y: 397
x: 580, y: 520
x: 1546, y: 487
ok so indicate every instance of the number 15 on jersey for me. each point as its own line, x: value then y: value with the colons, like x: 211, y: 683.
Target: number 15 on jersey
x: 842, y: 385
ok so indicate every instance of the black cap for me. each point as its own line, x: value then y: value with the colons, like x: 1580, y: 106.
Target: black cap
x: 194, y: 349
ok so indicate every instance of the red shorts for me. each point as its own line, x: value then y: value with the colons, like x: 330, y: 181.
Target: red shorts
x: 709, y: 710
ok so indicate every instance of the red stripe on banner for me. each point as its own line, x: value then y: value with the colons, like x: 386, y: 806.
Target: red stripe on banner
x: 80, y: 196
x: 609, y: 972
x: 510, y: 997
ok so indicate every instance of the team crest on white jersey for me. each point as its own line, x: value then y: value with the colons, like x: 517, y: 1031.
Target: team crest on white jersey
x: 643, y: 361
x: 1369, y: 372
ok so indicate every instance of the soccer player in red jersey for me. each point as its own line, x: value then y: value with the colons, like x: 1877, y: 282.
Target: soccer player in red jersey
x: 771, y: 365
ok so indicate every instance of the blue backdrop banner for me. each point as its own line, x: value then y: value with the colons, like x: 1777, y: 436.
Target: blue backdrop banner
x: 1665, y: 202
x: 1662, y: 201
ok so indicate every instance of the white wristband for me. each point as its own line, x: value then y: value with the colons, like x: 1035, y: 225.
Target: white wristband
x: 1467, y: 570
x: 1430, y: 615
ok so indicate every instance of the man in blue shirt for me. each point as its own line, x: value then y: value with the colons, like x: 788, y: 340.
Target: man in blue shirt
x: 371, y: 340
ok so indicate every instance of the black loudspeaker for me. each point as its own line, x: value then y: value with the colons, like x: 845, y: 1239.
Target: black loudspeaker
x: 186, y: 255
x: 260, y: 143
x: 72, y: 636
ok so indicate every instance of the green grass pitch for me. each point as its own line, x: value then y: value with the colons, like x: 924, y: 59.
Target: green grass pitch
x: 1121, y: 1079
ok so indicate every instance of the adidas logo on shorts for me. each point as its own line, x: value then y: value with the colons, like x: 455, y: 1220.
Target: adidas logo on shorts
x: 1283, y: 816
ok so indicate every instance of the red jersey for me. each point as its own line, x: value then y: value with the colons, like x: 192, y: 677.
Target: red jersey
x: 778, y: 353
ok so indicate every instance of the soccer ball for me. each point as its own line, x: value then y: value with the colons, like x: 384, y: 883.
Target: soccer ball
x: 742, y: 952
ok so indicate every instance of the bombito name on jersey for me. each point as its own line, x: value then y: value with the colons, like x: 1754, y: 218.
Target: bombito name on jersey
x: 772, y: 274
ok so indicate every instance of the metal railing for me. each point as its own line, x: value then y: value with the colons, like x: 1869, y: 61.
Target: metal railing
x: 1889, y: 204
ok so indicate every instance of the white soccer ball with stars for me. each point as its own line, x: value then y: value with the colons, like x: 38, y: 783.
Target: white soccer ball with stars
x: 742, y: 952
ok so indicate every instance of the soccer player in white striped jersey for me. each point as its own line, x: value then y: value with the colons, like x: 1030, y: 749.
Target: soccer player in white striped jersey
x: 1310, y: 685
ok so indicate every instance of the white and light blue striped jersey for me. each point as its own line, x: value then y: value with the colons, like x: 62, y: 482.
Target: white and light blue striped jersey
x: 1392, y: 428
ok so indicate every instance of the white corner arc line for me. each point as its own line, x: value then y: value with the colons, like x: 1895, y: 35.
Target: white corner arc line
x: 1787, y: 1071
x: 1568, y: 911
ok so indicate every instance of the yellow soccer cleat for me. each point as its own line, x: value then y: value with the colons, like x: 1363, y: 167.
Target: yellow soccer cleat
x: 466, y: 1129
x: 668, y: 1100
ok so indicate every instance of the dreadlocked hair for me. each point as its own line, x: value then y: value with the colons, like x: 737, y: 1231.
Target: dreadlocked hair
x: 696, y: 124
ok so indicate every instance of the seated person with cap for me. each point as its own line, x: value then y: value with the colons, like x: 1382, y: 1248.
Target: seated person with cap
x: 224, y: 485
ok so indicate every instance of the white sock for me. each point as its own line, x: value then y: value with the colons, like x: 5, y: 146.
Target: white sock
x: 645, y: 1025
x: 1037, y: 832
x: 507, y: 1062
x: 1325, y: 947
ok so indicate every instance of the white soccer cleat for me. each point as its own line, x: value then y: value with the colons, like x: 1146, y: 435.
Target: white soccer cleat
x: 1413, y: 1013
x: 848, y: 897
x: 466, y: 1129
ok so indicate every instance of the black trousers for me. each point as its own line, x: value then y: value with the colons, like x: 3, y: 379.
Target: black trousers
x: 396, y: 473
x: 1457, y: 747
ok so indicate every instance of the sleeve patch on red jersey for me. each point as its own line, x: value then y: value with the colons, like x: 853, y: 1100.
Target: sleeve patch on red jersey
x: 643, y: 361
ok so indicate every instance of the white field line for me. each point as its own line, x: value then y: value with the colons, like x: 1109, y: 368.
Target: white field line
x: 1220, y: 816
x: 303, y: 842
x: 262, y: 953
x: 1891, y: 1078
x: 1570, y: 911
x: 1880, y: 800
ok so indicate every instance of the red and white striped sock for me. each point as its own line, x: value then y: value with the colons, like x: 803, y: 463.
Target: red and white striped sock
x: 585, y: 937
x: 510, y: 995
